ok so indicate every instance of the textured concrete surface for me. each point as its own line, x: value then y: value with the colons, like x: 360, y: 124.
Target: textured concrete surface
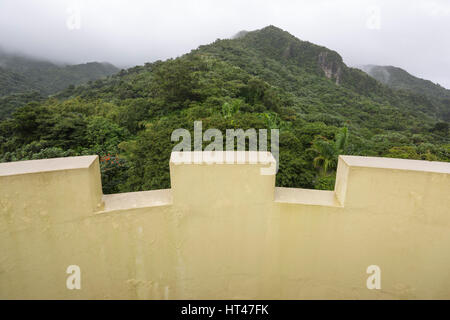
x: 224, y: 231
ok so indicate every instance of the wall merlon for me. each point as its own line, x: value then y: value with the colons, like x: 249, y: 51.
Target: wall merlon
x: 397, y: 164
x: 46, y: 165
x: 228, y: 178
x: 373, y: 181
x: 60, y: 189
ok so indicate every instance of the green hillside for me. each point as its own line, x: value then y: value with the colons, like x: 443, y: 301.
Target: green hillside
x: 399, y: 79
x: 22, y: 76
x: 19, y: 74
x: 261, y: 79
x: 11, y: 82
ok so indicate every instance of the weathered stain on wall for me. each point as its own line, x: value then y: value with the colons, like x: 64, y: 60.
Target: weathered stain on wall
x: 225, y: 231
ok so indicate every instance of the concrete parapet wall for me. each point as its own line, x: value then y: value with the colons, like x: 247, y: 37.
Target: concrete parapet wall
x: 225, y: 231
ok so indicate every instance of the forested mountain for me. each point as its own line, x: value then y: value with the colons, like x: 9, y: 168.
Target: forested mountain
x: 260, y: 79
x: 23, y: 77
x: 400, y: 79
x: 11, y: 82
x: 19, y: 74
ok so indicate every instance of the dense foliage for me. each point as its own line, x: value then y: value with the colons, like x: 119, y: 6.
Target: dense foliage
x: 261, y: 79
x: 399, y: 79
x: 22, y: 77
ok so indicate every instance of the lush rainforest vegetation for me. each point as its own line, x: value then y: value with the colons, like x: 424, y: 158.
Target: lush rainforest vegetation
x: 25, y: 79
x: 261, y: 79
x: 399, y: 79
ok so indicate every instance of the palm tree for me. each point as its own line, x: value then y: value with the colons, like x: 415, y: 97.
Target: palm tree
x: 328, y: 151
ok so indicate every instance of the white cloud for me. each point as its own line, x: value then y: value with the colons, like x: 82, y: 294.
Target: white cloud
x: 408, y: 33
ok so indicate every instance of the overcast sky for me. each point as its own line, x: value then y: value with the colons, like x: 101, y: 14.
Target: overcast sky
x: 411, y: 34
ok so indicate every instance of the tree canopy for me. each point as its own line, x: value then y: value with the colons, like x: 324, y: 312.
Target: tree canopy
x: 263, y: 79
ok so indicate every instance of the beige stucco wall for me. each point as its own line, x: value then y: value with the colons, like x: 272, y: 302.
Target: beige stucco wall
x: 225, y: 231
